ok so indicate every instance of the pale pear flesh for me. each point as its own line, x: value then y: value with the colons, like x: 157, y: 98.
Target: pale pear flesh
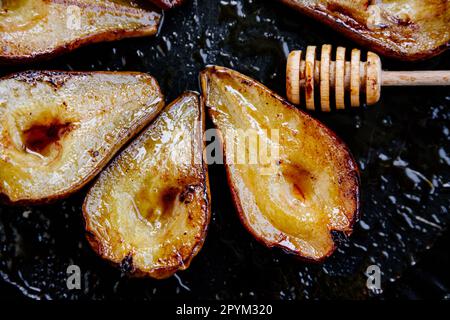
x: 59, y: 129
x: 297, y: 198
x: 149, y: 210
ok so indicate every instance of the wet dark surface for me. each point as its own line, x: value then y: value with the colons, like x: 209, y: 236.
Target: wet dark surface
x: 402, y: 146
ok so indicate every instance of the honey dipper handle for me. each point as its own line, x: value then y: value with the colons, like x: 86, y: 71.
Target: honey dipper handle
x: 415, y: 78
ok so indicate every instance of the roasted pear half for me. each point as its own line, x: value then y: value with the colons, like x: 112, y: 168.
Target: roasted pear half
x: 149, y: 210
x: 59, y: 129
x: 401, y: 29
x: 31, y: 29
x: 292, y: 180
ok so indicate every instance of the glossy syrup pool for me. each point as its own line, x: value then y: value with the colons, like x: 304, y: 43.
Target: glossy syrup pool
x: 402, y: 147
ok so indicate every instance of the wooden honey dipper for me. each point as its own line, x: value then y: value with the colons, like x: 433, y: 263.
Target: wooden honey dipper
x: 352, y: 76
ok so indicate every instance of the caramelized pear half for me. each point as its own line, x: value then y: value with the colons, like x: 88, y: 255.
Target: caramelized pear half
x: 149, y: 210
x: 59, y: 129
x: 401, y: 29
x: 292, y: 180
x: 32, y: 29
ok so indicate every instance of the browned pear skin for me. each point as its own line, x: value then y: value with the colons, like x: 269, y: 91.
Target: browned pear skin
x: 308, y: 190
x: 149, y: 210
x: 40, y: 29
x: 59, y: 129
x: 402, y: 29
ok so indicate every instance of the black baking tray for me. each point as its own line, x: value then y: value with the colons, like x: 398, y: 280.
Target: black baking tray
x: 402, y: 146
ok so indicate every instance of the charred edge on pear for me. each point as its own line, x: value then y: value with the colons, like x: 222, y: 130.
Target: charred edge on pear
x: 355, y: 195
x: 54, y: 78
x: 126, y: 265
